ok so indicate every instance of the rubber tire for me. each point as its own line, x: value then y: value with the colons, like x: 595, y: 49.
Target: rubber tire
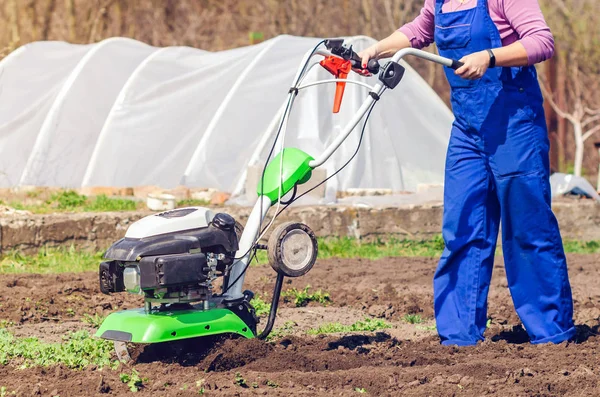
x: 274, y: 249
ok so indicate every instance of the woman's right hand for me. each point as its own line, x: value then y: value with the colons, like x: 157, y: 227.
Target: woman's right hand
x: 365, y: 56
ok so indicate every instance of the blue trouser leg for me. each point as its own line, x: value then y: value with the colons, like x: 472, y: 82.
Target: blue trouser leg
x: 535, y: 263
x: 470, y: 230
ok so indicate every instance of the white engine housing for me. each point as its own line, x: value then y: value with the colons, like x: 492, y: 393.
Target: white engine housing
x: 171, y: 221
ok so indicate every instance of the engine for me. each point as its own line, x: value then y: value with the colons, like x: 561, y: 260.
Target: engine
x: 172, y: 257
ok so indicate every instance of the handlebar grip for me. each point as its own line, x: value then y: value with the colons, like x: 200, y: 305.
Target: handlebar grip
x: 372, y: 66
x: 456, y: 64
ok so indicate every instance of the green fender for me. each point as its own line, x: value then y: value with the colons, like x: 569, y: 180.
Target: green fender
x: 295, y: 171
x: 140, y: 327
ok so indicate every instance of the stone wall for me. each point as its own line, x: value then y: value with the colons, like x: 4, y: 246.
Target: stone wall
x: 578, y: 220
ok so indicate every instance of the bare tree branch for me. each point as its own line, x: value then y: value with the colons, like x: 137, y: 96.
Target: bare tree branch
x: 556, y: 108
x: 591, y: 132
x: 591, y: 120
x: 592, y: 112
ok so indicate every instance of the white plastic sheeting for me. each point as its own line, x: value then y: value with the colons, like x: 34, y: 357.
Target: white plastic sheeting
x: 121, y: 113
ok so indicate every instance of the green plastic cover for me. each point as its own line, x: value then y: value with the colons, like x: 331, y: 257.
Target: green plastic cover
x: 295, y: 171
x: 139, y: 327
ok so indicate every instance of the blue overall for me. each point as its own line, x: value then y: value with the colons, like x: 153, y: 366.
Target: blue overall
x: 497, y: 170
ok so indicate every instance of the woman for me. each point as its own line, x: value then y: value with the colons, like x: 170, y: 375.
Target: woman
x: 497, y: 167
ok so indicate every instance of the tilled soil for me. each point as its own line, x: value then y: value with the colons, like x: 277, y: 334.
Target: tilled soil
x: 404, y: 360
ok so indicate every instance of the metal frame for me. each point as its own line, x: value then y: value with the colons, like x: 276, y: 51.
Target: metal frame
x: 263, y: 204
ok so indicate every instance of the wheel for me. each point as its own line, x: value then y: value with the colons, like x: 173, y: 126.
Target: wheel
x: 292, y: 249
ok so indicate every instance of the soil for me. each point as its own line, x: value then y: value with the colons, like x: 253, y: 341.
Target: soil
x: 404, y: 360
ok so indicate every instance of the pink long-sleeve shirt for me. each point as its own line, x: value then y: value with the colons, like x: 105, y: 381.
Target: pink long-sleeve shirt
x: 516, y: 20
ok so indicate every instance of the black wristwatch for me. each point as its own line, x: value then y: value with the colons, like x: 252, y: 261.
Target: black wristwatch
x: 492, y: 58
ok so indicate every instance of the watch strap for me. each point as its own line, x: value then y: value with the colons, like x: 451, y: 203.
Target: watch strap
x: 492, y: 58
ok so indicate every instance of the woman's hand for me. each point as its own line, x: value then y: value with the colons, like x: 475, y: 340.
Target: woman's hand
x: 475, y: 65
x: 366, y: 55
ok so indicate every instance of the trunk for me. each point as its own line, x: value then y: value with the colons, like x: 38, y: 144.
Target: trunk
x: 578, y: 132
x: 13, y: 23
x: 561, y: 124
x: 71, y: 20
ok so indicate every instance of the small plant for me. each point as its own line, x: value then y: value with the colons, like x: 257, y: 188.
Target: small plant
x: 412, y: 318
x: 488, y: 323
x: 240, y: 381
x: 360, y: 390
x: 367, y: 325
x: 282, y: 331
x: 302, y: 298
x: 272, y: 384
x: 77, y: 350
x: 133, y: 380
x: 70, y: 312
x: 427, y: 328
x: 254, y: 385
x: 260, y: 306
x: 200, y: 386
x: 67, y: 200
x: 95, y: 320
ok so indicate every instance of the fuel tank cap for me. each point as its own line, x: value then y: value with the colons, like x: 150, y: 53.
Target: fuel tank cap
x: 223, y: 221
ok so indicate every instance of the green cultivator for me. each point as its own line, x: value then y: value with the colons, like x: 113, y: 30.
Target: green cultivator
x: 173, y: 258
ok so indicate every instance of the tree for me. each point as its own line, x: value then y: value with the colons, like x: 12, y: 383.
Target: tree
x: 576, y: 27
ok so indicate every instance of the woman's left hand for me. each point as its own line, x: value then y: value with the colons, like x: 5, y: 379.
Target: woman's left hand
x: 475, y: 65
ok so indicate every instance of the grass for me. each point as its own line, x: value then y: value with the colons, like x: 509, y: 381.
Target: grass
x: 348, y: 247
x: 77, y: 351
x: 51, y: 260
x: 71, y: 201
x: 61, y: 260
x: 366, y: 325
x: 581, y: 247
x: 192, y: 203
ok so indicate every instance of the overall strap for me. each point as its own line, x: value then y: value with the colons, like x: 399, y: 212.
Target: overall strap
x: 438, y: 6
x: 484, y: 5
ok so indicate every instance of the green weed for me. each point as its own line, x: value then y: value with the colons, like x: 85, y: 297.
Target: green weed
x: 95, y: 320
x: 303, y: 297
x: 261, y: 307
x: 78, y: 350
x: 360, y: 390
x: 133, y: 380
x: 240, y: 381
x: 367, y: 325
x: 427, y: 328
x: 412, y: 318
x: 286, y: 329
x: 200, y: 386
x: 272, y: 384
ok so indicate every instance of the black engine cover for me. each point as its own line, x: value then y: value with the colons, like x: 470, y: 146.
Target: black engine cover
x: 129, y: 249
x: 172, y: 270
